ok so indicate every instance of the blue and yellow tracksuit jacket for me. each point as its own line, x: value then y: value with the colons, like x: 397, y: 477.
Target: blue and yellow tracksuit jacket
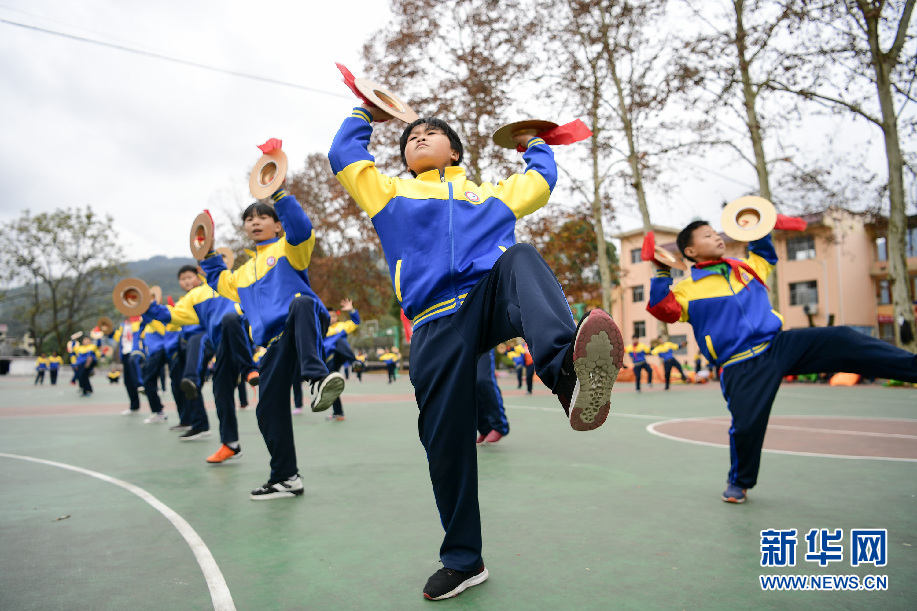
x: 732, y: 321
x: 637, y: 352
x: 665, y: 350
x: 338, y: 330
x: 441, y: 233
x: 41, y: 364
x: 54, y: 362
x: 87, y: 354
x: 157, y: 336
x: 274, y: 276
x: 200, y: 310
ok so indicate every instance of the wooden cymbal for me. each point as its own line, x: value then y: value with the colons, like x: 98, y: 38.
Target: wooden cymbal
x: 504, y: 136
x: 132, y: 297
x: 201, y: 235
x: 386, y: 99
x: 748, y: 218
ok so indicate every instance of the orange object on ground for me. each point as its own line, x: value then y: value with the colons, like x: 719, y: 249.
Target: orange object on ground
x: 844, y: 379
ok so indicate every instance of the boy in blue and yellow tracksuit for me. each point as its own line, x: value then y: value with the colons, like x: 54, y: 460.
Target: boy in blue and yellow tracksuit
x: 665, y: 350
x: 288, y: 319
x: 54, y: 363
x: 638, y: 351
x: 726, y: 302
x: 158, y: 340
x: 87, y: 356
x: 518, y: 363
x: 337, y: 349
x: 127, y: 342
x: 467, y: 286
x: 217, y: 327
x: 41, y: 366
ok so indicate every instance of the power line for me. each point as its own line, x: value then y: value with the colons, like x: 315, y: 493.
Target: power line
x: 174, y: 59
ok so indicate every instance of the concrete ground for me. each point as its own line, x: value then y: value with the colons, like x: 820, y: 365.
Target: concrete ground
x: 123, y: 516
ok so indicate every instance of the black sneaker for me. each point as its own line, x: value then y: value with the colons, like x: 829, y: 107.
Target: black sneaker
x: 325, y: 390
x: 446, y: 583
x: 194, y: 434
x: 189, y: 388
x: 180, y: 427
x: 589, y: 370
x: 278, y: 489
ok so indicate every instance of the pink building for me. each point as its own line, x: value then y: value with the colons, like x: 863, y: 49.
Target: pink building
x: 833, y: 273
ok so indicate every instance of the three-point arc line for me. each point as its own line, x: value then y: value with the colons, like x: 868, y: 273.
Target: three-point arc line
x: 219, y: 591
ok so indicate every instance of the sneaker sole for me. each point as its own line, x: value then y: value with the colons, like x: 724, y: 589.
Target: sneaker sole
x: 286, y: 494
x: 201, y: 435
x: 732, y: 499
x: 598, y: 356
x: 472, y: 581
x: 330, y: 390
x: 189, y: 388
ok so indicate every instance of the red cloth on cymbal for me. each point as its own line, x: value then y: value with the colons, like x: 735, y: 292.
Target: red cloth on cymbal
x: 790, y: 223
x: 568, y: 133
x: 270, y: 145
x: 408, y: 327
x: 349, y: 81
x: 170, y: 301
x: 648, y: 251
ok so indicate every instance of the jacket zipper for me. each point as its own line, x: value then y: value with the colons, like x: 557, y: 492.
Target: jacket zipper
x: 442, y: 178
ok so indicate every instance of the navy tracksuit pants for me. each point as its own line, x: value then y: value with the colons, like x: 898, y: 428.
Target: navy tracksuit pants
x: 668, y: 365
x: 234, y: 359
x: 491, y: 414
x: 131, y: 379
x: 198, y: 352
x: 176, y: 368
x: 296, y: 354
x: 643, y: 366
x: 520, y: 297
x: 342, y: 355
x: 152, y: 370
x: 750, y: 386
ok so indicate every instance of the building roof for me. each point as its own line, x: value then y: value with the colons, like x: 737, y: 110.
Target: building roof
x: 640, y: 232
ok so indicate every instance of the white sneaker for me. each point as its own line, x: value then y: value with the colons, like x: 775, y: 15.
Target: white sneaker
x: 325, y: 390
x: 278, y: 490
x: 156, y: 417
x: 130, y: 412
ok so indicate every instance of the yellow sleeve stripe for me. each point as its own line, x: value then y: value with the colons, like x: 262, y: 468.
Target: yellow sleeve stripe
x: 359, y: 113
x: 398, y: 280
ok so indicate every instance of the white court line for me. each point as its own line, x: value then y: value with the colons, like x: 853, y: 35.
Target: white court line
x: 651, y: 428
x: 219, y: 591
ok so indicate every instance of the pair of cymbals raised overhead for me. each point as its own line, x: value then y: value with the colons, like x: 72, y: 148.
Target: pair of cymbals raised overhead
x: 653, y: 252
x: 132, y: 296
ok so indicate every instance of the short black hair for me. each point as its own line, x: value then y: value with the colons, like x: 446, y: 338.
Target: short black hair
x: 184, y: 269
x: 260, y: 209
x: 439, y: 124
x: 685, y: 237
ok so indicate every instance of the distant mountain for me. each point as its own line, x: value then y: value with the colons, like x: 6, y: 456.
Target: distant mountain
x: 156, y: 270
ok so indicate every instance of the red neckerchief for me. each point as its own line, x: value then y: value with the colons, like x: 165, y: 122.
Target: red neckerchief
x: 736, y: 265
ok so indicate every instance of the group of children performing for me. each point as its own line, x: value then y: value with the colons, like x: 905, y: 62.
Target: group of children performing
x: 467, y: 286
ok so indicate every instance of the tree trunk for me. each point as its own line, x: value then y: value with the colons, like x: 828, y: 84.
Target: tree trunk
x: 754, y: 131
x: 633, y: 159
x: 897, y: 217
x: 604, y: 268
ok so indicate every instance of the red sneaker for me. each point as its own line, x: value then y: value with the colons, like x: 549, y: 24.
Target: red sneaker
x: 493, y: 437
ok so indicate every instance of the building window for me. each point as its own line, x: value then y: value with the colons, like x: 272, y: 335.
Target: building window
x: 885, y: 292
x: 638, y: 293
x: 800, y: 247
x: 802, y: 293
x: 887, y: 331
x: 639, y: 328
x: 881, y: 249
x: 910, y: 242
x: 635, y: 255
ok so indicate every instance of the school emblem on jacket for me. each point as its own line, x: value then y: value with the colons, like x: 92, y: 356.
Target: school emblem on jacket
x: 271, y: 261
x: 472, y: 196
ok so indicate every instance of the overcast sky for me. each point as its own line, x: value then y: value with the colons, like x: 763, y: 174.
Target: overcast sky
x: 153, y: 142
